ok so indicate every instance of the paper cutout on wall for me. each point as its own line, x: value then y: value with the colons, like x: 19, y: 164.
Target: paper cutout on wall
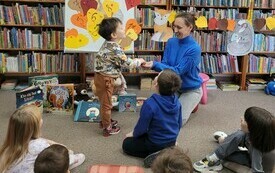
x: 110, y: 7
x: 231, y: 24
x: 132, y: 3
x: 270, y: 23
x: 240, y: 41
x: 79, y: 20
x: 132, y: 29
x: 259, y: 24
x: 222, y: 24
x: 161, y: 31
x: 172, y: 17
x: 75, y: 40
x: 201, y: 22
x: 87, y: 4
x: 85, y: 17
x: 212, y: 24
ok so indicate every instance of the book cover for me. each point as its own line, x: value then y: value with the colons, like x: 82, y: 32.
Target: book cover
x: 127, y: 102
x: 42, y: 81
x: 87, y: 111
x: 256, y: 81
x: 30, y: 96
x: 60, y: 98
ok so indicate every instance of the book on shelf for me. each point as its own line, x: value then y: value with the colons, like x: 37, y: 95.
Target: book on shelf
x: 211, y: 84
x: 32, y: 95
x: 60, y: 99
x: 42, y: 81
x: 9, y: 84
x: 256, y: 81
x: 227, y: 86
x: 127, y: 103
x: 87, y: 111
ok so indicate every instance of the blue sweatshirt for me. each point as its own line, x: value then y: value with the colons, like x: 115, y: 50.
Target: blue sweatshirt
x: 160, y: 118
x: 182, y: 56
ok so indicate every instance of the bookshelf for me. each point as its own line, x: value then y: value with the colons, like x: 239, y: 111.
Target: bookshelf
x: 43, y: 22
x: 32, y: 40
x: 213, y: 41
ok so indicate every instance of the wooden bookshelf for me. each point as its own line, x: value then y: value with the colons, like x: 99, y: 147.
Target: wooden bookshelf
x: 243, y: 61
x: 51, y: 46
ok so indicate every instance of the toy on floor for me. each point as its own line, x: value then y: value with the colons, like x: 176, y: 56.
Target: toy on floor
x: 270, y: 88
x: 81, y: 93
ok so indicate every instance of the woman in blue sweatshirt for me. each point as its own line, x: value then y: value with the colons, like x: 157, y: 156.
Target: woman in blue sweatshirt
x: 182, y: 54
x: 160, y: 118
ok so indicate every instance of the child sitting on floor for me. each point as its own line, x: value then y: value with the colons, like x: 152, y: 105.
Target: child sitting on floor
x: 23, y: 142
x: 172, y: 160
x: 54, y: 159
x: 257, y: 135
x: 160, y: 120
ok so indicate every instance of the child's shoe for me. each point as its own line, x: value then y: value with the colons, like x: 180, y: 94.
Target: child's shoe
x: 113, y: 122
x: 76, y: 160
x: 205, y: 165
x: 219, y: 136
x: 111, y: 130
x: 149, y: 159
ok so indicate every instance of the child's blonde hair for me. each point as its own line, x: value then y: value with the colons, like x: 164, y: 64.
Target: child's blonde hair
x: 24, y: 125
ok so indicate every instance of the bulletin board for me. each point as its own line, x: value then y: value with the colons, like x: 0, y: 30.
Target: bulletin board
x: 82, y: 18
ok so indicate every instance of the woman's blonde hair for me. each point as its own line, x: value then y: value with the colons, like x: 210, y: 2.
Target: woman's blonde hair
x: 24, y: 125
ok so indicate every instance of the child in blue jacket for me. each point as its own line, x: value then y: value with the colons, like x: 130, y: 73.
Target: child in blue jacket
x: 160, y: 119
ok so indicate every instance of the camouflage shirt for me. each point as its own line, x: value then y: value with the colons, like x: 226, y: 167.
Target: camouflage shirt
x: 110, y: 59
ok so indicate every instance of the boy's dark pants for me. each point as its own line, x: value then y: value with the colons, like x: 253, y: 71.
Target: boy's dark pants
x: 104, y: 91
x: 141, y: 146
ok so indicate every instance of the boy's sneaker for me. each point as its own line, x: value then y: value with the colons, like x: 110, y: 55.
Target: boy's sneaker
x: 219, y: 134
x: 205, y: 166
x: 76, y: 160
x: 111, y: 130
x: 149, y: 159
x: 113, y: 122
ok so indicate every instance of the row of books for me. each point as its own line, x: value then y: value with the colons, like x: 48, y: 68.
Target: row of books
x: 208, y: 13
x: 261, y: 64
x: 26, y: 38
x: 144, y: 42
x: 225, y: 3
x: 39, y: 62
x: 145, y: 16
x: 145, y: 2
x: 211, y: 41
x: 219, y: 63
x: 264, y: 43
x: 30, y: 15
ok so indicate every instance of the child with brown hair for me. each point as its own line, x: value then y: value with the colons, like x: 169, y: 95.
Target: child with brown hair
x: 23, y: 142
x: 109, y: 61
x: 54, y: 159
x: 172, y: 160
x: 257, y: 135
x: 160, y: 120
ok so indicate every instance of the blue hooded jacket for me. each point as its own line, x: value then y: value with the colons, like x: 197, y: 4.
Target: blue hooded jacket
x: 160, y: 118
x: 183, y: 56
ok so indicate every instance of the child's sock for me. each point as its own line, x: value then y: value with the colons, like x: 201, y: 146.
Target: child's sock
x: 213, y: 157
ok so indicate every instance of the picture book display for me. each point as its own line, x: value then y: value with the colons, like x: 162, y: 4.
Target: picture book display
x: 127, y: 103
x: 87, y: 111
x: 42, y: 81
x: 60, y: 98
x: 30, y: 96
